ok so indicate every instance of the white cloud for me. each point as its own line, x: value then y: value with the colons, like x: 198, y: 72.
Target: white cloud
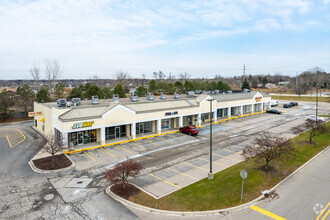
x: 117, y: 32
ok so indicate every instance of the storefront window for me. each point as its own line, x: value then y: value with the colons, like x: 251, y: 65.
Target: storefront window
x: 82, y: 137
x: 219, y: 113
x: 166, y: 124
x: 115, y: 132
x: 143, y: 127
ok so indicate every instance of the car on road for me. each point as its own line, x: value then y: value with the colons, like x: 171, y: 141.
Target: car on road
x: 190, y: 129
x: 274, y: 111
x: 294, y: 103
x: 287, y: 105
x: 313, y: 118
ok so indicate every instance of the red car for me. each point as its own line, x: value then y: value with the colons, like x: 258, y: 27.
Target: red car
x: 191, y: 130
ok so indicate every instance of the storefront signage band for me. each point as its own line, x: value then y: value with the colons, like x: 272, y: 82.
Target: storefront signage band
x: 83, y: 124
x: 31, y: 114
x: 171, y: 113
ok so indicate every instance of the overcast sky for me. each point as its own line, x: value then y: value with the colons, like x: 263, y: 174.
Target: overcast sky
x: 203, y: 38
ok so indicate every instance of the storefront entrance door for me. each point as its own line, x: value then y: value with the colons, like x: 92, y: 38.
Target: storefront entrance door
x: 117, y: 132
x: 141, y: 128
x: 80, y: 137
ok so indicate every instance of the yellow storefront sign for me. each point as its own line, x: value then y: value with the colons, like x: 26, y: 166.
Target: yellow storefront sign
x: 83, y: 124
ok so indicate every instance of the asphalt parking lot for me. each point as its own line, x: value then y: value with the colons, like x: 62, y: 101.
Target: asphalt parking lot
x: 176, y: 160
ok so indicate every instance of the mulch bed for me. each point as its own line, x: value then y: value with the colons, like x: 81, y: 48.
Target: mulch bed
x: 124, y: 190
x: 60, y: 161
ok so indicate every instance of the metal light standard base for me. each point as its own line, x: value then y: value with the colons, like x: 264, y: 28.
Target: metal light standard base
x: 210, y: 176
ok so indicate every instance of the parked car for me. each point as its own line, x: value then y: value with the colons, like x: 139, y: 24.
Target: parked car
x: 273, y: 103
x: 313, y: 118
x: 294, y: 103
x: 191, y: 130
x: 274, y: 111
x: 287, y: 105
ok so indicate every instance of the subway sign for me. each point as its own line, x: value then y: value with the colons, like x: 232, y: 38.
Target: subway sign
x: 83, y: 124
x: 171, y: 113
x: 258, y: 99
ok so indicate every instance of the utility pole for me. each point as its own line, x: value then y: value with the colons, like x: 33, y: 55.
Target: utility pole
x: 211, y: 175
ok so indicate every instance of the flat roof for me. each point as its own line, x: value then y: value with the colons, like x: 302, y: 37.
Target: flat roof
x: 87, y: 110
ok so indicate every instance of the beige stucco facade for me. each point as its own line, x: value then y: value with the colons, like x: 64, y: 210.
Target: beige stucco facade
x: 125, y: 119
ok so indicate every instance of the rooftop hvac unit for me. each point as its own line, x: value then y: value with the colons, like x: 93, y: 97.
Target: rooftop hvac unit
x: 76, y: 101
x: 95, y: 100
x: 134, y: 98
x: 115, y: 98
x: 61, y: 102
x: 190, y: 94
x: 150, y: 96
x: 162, y: 96
x: 176, y: 95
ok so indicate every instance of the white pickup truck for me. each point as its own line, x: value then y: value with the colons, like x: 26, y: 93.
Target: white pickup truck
x: 273, y: 103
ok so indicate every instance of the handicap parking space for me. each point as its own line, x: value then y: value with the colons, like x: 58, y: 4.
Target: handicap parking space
x: 12, y: 136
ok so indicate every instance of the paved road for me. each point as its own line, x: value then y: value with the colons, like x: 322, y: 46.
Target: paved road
x: 22, y: 191
x: 300, y: 197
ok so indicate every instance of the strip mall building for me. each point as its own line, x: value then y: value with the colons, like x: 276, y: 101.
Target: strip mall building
x: 101, y: 123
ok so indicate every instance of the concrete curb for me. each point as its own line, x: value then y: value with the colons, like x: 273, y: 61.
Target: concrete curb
x: 149, y: 210
x: 37, y: 170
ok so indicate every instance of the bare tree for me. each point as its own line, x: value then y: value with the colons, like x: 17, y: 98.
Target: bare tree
x: 170, y: 77
x: 53, y: 71
x: 120, y: 173
x: 53, y: 146
x: 268, y: 147
x: 184, y: 77
x: 121, y: 77
x: 143, y: 79
x: 300, y: 90
x: 35, y: 72
x: 313, y: 128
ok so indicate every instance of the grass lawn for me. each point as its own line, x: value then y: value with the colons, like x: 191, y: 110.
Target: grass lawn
x: 301, y: 98
x: 225, y: 190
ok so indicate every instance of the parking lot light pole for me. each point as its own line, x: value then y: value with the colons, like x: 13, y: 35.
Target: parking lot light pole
x: 317, y: 100
x: 210, y: 175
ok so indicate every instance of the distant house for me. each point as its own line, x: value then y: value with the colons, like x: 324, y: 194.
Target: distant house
x: 270, y: 85
x: 284, y: 83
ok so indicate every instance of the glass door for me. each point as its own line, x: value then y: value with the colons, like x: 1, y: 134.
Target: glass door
x: 141, y: 128
x: 117, y: 132
x: 80, y: 137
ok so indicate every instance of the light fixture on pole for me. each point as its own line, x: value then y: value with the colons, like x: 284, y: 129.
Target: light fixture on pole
x: 210, y: 175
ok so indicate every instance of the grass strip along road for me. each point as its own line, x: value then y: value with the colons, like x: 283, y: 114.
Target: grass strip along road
x: 225, y: 190
x: 301, y: 98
